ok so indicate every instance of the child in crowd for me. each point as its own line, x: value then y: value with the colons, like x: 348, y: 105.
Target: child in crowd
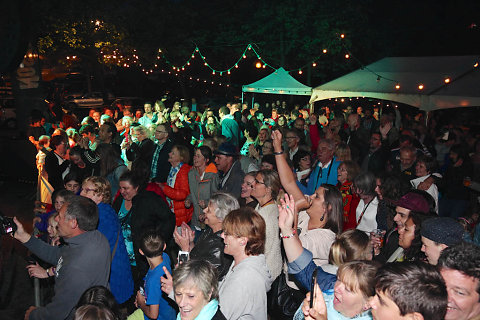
x: 151, y: 304
x: 72, y: 182
x: 40, y: 222
x: 53, y: 237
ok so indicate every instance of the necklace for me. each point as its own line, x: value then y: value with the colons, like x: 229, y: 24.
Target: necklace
x: 267, y: 203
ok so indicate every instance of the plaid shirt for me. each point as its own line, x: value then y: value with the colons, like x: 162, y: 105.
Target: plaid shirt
x: 156, y: 153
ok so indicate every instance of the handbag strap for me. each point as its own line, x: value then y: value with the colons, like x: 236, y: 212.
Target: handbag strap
x: 116, y: 243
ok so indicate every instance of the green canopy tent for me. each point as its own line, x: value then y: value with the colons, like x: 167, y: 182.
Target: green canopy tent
x: 278, y: 82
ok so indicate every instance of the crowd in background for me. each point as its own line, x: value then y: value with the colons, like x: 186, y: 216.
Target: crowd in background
x: 267, y: 194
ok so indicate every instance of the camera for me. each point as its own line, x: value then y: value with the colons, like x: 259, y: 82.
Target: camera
x: 7, y: 225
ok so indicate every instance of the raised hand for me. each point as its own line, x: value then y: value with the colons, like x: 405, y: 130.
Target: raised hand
x: 286, y: 214
x: 166, y: 281
x: 277, y: 140
x: 21, y: 235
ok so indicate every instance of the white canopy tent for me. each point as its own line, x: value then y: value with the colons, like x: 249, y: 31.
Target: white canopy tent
x: 379, y: 80
x: 278, y: 82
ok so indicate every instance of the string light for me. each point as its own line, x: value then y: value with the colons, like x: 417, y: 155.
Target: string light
x: 347, y: 56
x: 300, y: 71
x: 447, y: 80
x: 397, y: 86
x: 314, y: 64
x: 342, y: 36
x: 420, y: 86
x: 324, y: 50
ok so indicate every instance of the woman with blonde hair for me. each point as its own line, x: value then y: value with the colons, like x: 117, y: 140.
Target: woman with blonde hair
x: 121, y: 282
x: 352, y: 286
x: 266, y: 187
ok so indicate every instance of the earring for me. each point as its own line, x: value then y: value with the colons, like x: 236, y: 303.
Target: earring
x: 322, y: 218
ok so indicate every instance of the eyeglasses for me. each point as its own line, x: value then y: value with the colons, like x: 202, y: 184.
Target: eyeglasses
x: 259, y: 182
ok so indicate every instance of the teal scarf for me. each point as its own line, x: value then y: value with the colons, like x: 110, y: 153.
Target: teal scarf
x: 207, y: 312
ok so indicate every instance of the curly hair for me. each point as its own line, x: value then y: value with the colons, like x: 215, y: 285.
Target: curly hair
x: 463, y: 257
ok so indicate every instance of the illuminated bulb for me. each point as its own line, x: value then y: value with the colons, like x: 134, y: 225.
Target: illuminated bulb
x: 258, y: 65
x: 342, y: 36
x: 397, y: 86
x: 68, y: 58
x: 447, y: 80
x: 188, y: 63
x: 213, y: 72
x: 206, y: 64
x: 300, y: 71
x: 228, y: 72
x: 156, y: 66
x: 347, y: 56
x: 475, y: 65
x: 236, y: 66
x: 174, y: 68
x: 264, y: 66
x: 324, y: 50
x: 183, y: 68
x: 221, y: 73
x: 159, y: 50
x: 249, y: 48
x: 244, y: 57
x: 196, y: 49
x: 314, y: 64
x: 342, y: 100
x: 420, y: 87
x: 193, y: 56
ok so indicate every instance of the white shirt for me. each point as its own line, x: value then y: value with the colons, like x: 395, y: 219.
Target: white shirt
x: 369, y: 219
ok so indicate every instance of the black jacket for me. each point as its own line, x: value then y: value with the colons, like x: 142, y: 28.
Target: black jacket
x: 210, y: 247
x: 160, y: 174
x: 141, y: 151
x: 148, y: 210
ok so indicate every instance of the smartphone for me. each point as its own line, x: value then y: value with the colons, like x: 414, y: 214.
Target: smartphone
x: 183, y: 256
x: 142, y: 291
x: 312, y: 287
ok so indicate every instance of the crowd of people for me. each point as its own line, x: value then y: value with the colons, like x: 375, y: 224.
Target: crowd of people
x: 255, y: 212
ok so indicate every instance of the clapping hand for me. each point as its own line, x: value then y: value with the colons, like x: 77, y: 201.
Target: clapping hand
x: 185, y: 238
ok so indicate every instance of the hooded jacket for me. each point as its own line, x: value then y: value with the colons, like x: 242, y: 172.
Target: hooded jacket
x: 201, y: 188
x: 243, y: 291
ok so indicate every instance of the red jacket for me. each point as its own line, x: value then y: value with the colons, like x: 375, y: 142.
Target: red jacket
x: 178, y: 194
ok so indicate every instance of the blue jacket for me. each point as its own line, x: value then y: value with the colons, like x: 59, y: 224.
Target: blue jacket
x: 303, y: 268
x: 328, y: 175
x: 121, y: 281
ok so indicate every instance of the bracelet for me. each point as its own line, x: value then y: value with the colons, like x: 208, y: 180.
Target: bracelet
x: 288, y: 236
x: 48, y: 275
x: 278, y: 153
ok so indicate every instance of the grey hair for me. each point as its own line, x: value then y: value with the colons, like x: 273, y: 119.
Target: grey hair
x: 203, y: 275
x: 224, y: 203
x: 142, y: 130
x: 330, y: 143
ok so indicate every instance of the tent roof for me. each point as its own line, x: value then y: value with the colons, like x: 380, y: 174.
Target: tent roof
x: 278, y: 82
x: 409, y: 73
